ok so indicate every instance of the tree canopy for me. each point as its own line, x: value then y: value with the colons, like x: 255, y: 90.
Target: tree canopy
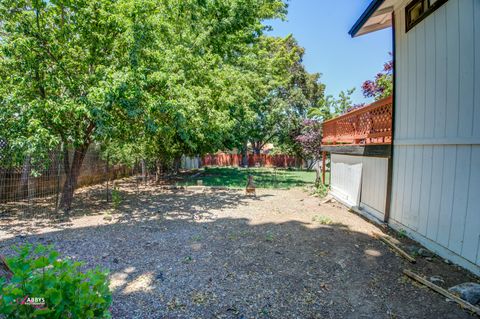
x: 145, y: 78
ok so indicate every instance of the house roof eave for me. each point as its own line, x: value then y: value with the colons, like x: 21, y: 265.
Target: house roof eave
x: 371, y: 9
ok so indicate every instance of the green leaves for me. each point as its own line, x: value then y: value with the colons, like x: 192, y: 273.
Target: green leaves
x: 61, y: 289
x: 149, y: 79
x: 54, y: 296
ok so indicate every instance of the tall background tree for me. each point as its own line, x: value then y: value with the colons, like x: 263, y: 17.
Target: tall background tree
x: 279, y: 94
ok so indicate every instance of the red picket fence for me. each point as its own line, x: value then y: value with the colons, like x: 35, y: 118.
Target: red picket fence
x: 262, y: 160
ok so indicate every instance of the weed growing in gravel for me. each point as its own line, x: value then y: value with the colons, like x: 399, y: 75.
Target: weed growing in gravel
x: 187, y: 260
x: 199, y: 297
x: 240, y: 234
x: 232, y: 236
x: 269, y: 237
x: 116, y: 198
x: 175, y: 304
x: 196, y: 237
x: 265, y: 312
x: 321, y: 191
x: 324, y: 220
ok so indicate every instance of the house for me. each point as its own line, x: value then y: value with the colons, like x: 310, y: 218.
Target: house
x: 420, y: 172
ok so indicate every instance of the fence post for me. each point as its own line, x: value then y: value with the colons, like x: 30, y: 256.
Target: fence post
x: 324, y: 159
x: 30, y: 187
x: 108, y: 179
x: 57, y: 191
x: 144, y: 171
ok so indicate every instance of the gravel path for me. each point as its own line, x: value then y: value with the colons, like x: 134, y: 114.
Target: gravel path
x: 220, y: 254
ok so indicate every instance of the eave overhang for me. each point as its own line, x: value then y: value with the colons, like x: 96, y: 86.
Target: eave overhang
x: 377, y: 16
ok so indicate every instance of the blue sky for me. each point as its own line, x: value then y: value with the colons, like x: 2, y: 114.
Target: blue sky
x: 321, y: 27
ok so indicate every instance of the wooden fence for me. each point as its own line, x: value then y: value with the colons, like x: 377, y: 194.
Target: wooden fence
x: 261, y: 160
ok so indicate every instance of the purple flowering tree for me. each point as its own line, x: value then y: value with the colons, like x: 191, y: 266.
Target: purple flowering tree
x: 355, y: 106
x: 382, y: 85
x: 310, y: 141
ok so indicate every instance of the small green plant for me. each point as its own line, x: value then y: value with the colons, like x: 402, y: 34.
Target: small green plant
x: 402, y: 233
x: 116, y: 198
x: 324, y: 220
x: 43, y: 286
x: 269, y: 237
x: 199, y: 297
x: 175, y: 303
x: 232, y: 236
x: 321, y: 190
x: 197, y: 237
x: 187, y: 260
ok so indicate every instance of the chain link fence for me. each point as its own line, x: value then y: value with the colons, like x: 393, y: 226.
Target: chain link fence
x: 34, y: 189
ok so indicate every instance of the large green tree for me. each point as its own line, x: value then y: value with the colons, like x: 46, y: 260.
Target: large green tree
x: 129, y: 73
x: 61, y: 65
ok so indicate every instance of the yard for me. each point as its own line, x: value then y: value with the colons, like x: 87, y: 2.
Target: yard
x: 233, y: 177
x: 206, y: 253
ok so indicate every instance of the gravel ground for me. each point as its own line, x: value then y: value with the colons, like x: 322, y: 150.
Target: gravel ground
x: 218, y: 254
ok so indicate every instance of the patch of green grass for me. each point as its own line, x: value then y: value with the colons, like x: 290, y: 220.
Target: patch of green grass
x: 234, y: 177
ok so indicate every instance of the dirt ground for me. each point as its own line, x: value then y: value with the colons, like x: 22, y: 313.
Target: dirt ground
x: 194, y: 253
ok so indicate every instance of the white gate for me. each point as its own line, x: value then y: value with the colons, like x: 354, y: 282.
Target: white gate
x: 346, y: 178
x: 360, y: 181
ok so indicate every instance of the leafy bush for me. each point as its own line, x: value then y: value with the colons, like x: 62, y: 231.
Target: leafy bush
x: 59, y: 288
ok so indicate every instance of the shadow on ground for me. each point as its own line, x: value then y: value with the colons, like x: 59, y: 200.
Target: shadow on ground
x: 137, y: 202
x: 172, y: 256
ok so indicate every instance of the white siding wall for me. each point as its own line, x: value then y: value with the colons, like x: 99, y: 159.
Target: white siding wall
x: 374, y: 185
x: 436, y: 166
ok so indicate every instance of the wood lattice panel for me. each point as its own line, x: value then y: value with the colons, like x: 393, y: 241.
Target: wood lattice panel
x: 371, y: 124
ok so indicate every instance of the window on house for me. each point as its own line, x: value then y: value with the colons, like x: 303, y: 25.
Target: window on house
x: 417, y: 10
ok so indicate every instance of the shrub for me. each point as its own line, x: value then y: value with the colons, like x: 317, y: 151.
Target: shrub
x: 58, y: 288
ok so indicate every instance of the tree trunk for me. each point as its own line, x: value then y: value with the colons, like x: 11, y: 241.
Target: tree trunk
x: 158, y: 171
x: 144, y: 171
x: 257, y: 147
x: 245, y: 154
x: 30, y: 188
x: 177, y: 161
x: 72, y: 172
x: 318, y: 174
x: 3, y: 182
